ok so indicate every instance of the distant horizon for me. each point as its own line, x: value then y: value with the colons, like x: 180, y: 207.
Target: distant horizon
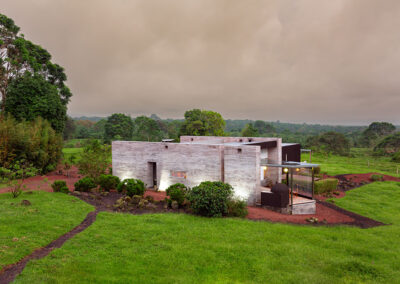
x: 274, y: 121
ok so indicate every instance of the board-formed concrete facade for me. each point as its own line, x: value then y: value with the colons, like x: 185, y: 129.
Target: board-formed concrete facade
x: 234, y: 160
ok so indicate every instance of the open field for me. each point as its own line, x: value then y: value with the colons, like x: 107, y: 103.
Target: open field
x: 68, y: 152
x: 26, y: 228
x: 177, y: 248
x: 359, y: 162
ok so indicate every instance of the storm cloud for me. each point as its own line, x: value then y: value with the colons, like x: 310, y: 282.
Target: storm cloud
x: 322, y: 61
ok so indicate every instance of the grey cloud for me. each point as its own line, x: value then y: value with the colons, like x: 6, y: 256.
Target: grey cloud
x: 314, y: 61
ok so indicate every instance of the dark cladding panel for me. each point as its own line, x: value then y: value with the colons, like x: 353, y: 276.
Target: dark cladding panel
x: 291, y: 152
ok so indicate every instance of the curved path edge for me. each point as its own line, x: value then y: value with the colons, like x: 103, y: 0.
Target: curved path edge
x: 9, y: 272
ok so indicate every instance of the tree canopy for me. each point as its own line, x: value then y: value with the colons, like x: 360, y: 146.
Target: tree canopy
x: 263, y: 127
x: 118, y: 126
x: 389, y: 145
x: 21, y: 58
x: 203, y: 123
x: 375, y: 132
x: 30, y: 96
x: 330, y: 142
x: 249, y: 131
x: 147, y: 129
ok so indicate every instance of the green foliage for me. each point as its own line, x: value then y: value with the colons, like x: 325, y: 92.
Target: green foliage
x: 177, y: 192
x: 25, y: 57
x: 94, y: 159
x: 330, y: 143
x: 396, y: 157
x: 119, y: 126
x: 132, y: 187
x: 146, y: 129
x: 34, y: 143
x: 376, y: 131
x: 60, y: 186
x: 376, y: 177
x: 389, y: 145
x: 325, y: 186
x: 202, y: 123
x: 210, y: 198
x: 85, y: 184
x: 237, y: 208
x: 108, y: 182
x: 249, y: 131
x: 263, y: 127
x: 30, y: 96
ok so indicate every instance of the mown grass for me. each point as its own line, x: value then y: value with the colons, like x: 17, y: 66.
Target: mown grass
x: 26, y: 228
x: 177, y: 248
x: 68, y: 152
x: 360, y: 161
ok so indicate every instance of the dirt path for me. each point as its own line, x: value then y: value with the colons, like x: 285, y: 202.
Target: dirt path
x: 8, y: 273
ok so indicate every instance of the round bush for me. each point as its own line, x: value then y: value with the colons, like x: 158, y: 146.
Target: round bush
x: 108, y: 182
x: 85, y: 184
x: 132, y: 187
x: 60, y: 186
x: 210, y: 198
x: 177, y: 192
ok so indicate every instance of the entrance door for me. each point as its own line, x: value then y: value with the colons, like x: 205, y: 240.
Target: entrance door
x: 153, y: 174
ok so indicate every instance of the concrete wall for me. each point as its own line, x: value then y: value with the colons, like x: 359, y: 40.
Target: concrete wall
x: 200, y: 162
x: 236, y: 165
x: 242, y: 171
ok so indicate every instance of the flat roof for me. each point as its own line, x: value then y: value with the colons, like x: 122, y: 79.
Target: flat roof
x: 290, y: 165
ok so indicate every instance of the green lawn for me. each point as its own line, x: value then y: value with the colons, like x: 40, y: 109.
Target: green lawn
x: 26, y: 228
x: 174, y: 248
x: 68, y: 152
x: 357, y: 163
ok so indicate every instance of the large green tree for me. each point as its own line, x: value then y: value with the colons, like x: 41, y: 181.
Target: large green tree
x: 30, y: 96
x: 375, y: 132
x: 147, y: 129
x: 118, y: 126
x: 330, y: 142
x: 19, y: 56
x: 203, y: 123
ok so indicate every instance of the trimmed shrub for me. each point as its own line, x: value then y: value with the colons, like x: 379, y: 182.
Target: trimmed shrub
x: 177, y: 192
x: 132, y: 187
x: 60, y: 186
x: 237, y: 208
x: 376, y: 177
x: 85, y: 184
x: 325, y: 186
x: 210, y: 198
x: 108, y: 182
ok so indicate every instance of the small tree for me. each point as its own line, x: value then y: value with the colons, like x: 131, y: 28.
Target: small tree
x: 95, y: 159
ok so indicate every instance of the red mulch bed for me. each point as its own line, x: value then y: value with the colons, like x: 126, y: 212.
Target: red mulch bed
x: 365, y: 178
x: 39, y: 183
x: 322, y: 213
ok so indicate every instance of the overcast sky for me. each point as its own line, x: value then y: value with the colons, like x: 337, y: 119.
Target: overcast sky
x: 320, y: 61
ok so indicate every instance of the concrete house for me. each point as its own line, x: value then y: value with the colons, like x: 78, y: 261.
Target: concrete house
x: 239, y: 161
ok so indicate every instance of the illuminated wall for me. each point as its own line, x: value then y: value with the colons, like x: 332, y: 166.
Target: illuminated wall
x: 206, y: 159
x: 199, y: 162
